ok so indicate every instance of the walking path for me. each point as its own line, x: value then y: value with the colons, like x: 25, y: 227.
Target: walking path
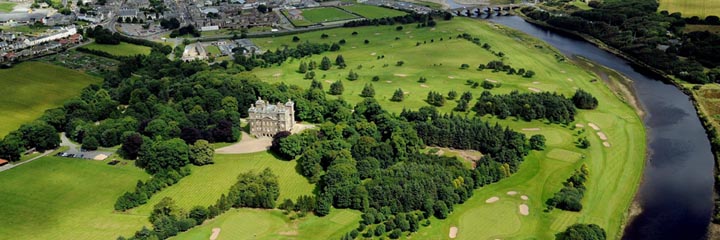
x: 12, y: 165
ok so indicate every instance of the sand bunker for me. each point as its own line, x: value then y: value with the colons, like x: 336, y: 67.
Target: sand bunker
x: 423, y: 85
x: 277, y: 75
x: 580, y: 125
x: 531, y: 129
x: 563, y: 71
x: 570, y: 79
x: 524, y: 209
x: 215, y: 233
x: 377, y: 33
x: 492, y: 200
x: 373, y: 54
x: 451, y: 77
x: 408, y: 32
x: 353, y: 47
x: 328, y: 81
x: 406, y: 93
x: 602, y: 136
x: 524, y: 197
x: 594, y: 127
x: 100, y: 157
x: 606, y: 144
x: 534, y: 89
x: 400, y: 75
x: 512, y: 193
x: 388, y: 81
x: 490, y: 80
x: 432, y: 29
x: 536, y: 82
x: 453, y: 232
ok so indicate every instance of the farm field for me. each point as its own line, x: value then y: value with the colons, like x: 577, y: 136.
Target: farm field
x: 689, y: 8
x: 272, y: 224
x: 325, y: 14
x: 36, y: 87
x: 615, y: 171
x: 369, y: 11
x: 122, y: 49
x: 206, y: 183
x: 63, y: 198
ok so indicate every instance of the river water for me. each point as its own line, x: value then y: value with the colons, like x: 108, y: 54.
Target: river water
x: 676, y: 190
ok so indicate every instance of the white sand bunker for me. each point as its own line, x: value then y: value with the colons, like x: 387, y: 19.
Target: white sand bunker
x: 536, y: 82
x: 406, y: 93
x: 563, y: 71
x: 353, y: 47
x: 423, y: 85
x: 524, y: 209
x: 512, y: 193
x: 453, y: 232
x: 373, y: 54
x: 490, y: 80
x: 432, y: 29
x: 492, y: 200
x: 534, y: 89
x: 269, y: 41
x: 277, y: 75
x: 524, y: 197
x: 328, y: 81
x: 606, y: 144
x: 580, y: 125
x: 377, y: 33
x: 408, y: 32
x: 400, y: 75
x: 602, y: 136
x: 594, y: 127
x: 570, y: 79
x: 388, y: 81
x: 215, y: 233
x: 531, y: 129
x: 451, y: 77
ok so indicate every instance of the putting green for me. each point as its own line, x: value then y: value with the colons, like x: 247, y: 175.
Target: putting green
x: 483, y: 221
x: 564, y: 155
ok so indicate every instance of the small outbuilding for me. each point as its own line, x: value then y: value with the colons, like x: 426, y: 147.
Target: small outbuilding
x: 3, y: 162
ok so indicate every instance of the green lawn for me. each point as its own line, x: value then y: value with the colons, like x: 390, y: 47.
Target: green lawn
x: 7, y: 6
x: 272, y: 224
x: 205, y: 185
x: 212, y: 49
x: 688, y: 8
x: 325, y: 14
x: 30, y: 88
x: 297, y: 22
x: 122, y: 49
x: 614, y: 172
x: 63, y: 198
x: 369, y: 11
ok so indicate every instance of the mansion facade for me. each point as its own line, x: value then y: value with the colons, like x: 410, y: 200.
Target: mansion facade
x: 266, y: 119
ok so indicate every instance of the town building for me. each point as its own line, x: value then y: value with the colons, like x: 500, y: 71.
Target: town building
x: 266, y: 119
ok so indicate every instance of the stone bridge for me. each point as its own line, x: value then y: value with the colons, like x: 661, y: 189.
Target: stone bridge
x: 474, y: 10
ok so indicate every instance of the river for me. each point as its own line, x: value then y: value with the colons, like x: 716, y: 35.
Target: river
x: 677, y: 187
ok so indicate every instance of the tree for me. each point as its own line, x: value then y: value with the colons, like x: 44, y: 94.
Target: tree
x: 201, y: 153
x: 441, y: 210
x: 582, y: 232
x: 340, y: 61
x: 325, y: 64
x: 352, y: 76
x: 584, y: 100
x: 336, y: 88
x: 12, y: 147
x: 422, y: 80
x: 375, y: 78
x: 90, y: 143
x: 462, y: 106
x: 40, y: 135
x: 131, y: 146
x: 398, y: 96
x: 537, y: 142
x: 367, y: 41
x: 452, y: 94
x: 487, y: 85
x: 162, y: 155
x: 368, y: 91
x: 199, y: 213
x: 529, y: 74
x: 399, y: 63
x: 262, y: 8
x: 303, y: 67
x: 464, y: 66
x: 279, y: 136
x: 334, y: 47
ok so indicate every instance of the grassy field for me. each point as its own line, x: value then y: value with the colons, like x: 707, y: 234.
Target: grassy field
x: 63, y: 198
x: 325, y: 14
x: 614, y: 171
x: 689, y: 8
x: 272, y: 224
x: 32, y: 87
x: 122, y: 49
x: 205, y: 185
x: 7, y: 6
x: 369, y: 11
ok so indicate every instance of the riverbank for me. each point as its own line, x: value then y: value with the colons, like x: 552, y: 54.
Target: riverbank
x: 705, y: 117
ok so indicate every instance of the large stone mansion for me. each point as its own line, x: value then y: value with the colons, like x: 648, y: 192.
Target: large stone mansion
x: 266, y: 119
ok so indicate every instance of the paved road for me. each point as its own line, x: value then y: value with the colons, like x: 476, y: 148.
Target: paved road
x: 12, y: 165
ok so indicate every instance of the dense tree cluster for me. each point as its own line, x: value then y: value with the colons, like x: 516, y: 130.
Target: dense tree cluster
x: 582, y: 232
x: 104, y: 36
x: 435, y: 99
x: 423, y: 20
x: 636, y: 27
x: 570, y: 196
x: 584, y: 100
x: 528, y: 106
x: 279, y: 56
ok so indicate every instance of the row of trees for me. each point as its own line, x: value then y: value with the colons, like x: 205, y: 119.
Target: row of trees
x: 570, y: 196
x: 582, y: 232
x: 528, y: 106
x: 279, y: 56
